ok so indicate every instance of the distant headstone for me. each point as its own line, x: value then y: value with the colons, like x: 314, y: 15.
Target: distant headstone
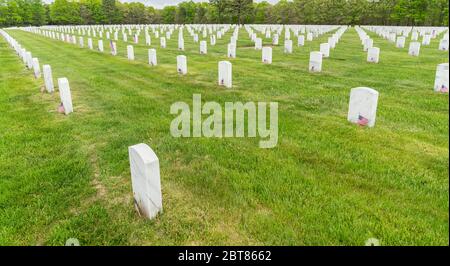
x: 65, y: 95
x: 441, y: 81
x: 258, y: 43
x: 113, y: 47
x: 275, y: 39
x: 181, y: 44
x: 203, y: 47
x: 90, y: 46
x: 100, y: 45
x: 36, y: 68
x: 288, y: 46
x: 301, y: 40
x: 163, y: 42
x: 48, y: 78
x: 267, y: 55
x: 400, y: 42
x: 152, y: 60
x: 225, y: 74
x: 231, y: 50
x: 29, y: 60
x: 315, y: 62
x: 368, y: 43
x: 182, y: 64
x: 130, y: 52
x: 426, y: 39
x: 373, y: 55
x: 81, y: 41
x: 414, y: 48
x: 145, y: 180
x: 325, y: 49
x: 443, y: 45
x: 363, y: 106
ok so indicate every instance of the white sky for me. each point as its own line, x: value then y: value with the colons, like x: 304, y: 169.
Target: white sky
x: 162, y: 3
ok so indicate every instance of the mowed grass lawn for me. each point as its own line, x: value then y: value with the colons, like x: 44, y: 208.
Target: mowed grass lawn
x: 327, y: 182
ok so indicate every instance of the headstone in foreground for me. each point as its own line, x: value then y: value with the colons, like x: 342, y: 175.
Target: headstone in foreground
x: 363, y: 106
x: 65, y: 95
x: 145, y: 180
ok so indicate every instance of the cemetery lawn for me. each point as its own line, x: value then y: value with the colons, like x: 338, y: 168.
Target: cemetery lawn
x: 327, y: 182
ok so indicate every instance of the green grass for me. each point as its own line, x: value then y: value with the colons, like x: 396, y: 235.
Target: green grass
x: 327, y: 182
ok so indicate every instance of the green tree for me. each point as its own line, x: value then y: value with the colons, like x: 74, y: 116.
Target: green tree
x: 241, y: 9
x: 168, y: 14
x: 110, y: 11
x: 221, y: 9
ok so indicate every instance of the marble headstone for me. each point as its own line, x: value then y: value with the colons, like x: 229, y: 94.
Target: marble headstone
x: 48, y: 78
x: 363, y: 106
x: 145, y: 180
x: 225, y: 74
x: 65, y: 95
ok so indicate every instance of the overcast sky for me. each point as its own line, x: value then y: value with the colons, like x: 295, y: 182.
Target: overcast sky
x: 163, y: 3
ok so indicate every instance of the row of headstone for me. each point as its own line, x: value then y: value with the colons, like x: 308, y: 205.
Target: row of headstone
x: 32, y: 63
x: 428, y: 33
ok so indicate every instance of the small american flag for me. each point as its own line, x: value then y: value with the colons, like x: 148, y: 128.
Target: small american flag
x: 444, y: 89
x: 362, y: 121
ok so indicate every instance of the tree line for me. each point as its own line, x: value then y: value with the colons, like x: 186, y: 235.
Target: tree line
x: 349, y: 12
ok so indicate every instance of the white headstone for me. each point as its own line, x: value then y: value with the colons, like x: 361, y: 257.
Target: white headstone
x: 443, y: 45
x: 81, y: 41
x: 36, y: 68
x: 288, y: 46
x: 113, y: 47
x: 152, y: 60
x: 414, y: 36
x: 225, y: 74
x: 145, y: 180
x: 267, y: 55
x: 100, y: 45
x: 231, y: 50
x: 29, y: 60
x: 426, y: 39
x: 163, y: 42
x: 325, y: 49
x: 275, y: 39
x: 181, y: 44
x: 315, y: 62
x: 148, y: 39
x: 130, y: 52
x: 65, y: 95
x: 414, y: 48
x: 363, y: 106
x: 400, y: 42
x: 441, y: 81
x: 203, y: 47
x: 368, y: 43
x: 48, y: 78
x: 258, y: 43
x: 373, y: 55
x: 301, y: 40
x: 182, y: 64
x: 90, y: 46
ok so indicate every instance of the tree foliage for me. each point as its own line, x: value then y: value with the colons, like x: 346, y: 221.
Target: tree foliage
x: 379, y: 12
